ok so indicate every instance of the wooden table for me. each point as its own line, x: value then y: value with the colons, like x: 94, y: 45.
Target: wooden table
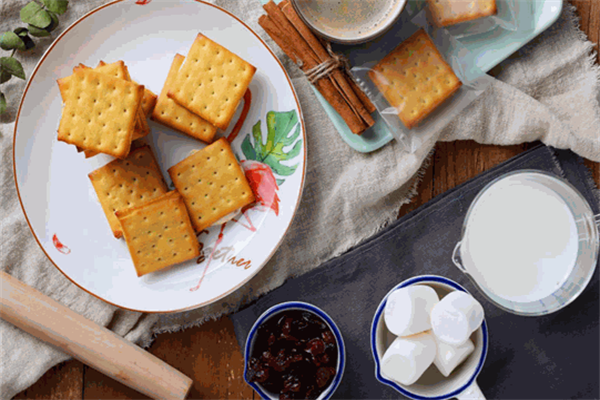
x: 210, y: 354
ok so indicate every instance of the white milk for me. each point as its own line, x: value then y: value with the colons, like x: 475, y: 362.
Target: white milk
x: 521, y: 240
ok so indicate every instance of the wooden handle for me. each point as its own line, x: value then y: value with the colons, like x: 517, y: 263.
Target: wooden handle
x: 88, y: 342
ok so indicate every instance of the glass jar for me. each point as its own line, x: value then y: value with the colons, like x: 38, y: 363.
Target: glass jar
x: 585, y: 247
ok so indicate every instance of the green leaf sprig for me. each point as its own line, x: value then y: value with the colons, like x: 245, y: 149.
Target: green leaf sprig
x: 41, y: 19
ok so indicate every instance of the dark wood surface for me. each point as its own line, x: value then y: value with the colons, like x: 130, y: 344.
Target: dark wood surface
x: 210, y: 354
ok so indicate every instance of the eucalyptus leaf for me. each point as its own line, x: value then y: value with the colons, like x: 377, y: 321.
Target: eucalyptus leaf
x: 21, y: 31
x: 54, y: 23
x: 4, y: 76
x: 2, y: 103
x: 10, y: 40
x: 37, y: 32
x: 29, y: 44
x: 12, y: 66
x: 35, y: 15
x: 56, y: 6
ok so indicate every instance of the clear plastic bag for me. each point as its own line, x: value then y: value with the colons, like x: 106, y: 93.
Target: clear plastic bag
x: 512, y: 15
x: 368, y: 74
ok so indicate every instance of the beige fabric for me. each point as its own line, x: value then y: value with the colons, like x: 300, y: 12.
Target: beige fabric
x: 549, y: 91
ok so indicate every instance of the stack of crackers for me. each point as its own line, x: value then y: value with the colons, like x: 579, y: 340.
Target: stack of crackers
x: 203, y: 90
x: 105, y: 111
x: 451, y: 12
x: 415, y: 79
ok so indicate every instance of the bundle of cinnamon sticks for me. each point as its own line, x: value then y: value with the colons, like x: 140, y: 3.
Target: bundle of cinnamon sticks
x: 285, y: 27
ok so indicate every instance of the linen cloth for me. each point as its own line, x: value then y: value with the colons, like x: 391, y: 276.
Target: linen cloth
x: 528, y: 357
x: 549, y: 91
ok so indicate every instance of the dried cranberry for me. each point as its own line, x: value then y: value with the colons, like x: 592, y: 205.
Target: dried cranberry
x: 311, y: 393
x: 315, y: 347
x: 324, y: 358
x: 285, y: 396
x: 323, y: 375
x: 271, y: 339
x: 291, y: 383
x: 297, y: 358
x: 257, y: 372
x: 267, y: 357
x: 286, y: 327
x: 281, y: 362
x: 328, y: 337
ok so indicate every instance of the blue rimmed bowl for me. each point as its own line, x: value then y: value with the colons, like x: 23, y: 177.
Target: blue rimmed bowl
x: 296, y: 305
x: 432, y: 385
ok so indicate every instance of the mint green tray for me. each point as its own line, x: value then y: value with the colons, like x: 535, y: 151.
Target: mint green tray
x: 491, y: 49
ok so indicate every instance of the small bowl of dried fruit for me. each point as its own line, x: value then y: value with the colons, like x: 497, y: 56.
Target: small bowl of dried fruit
x: 294, y: 351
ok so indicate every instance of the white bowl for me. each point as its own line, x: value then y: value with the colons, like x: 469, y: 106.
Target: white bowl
x: 432, y: 384
x: 297, y: 305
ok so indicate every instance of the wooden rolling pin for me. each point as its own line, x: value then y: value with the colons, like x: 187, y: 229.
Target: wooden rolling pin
x: 96, y: 346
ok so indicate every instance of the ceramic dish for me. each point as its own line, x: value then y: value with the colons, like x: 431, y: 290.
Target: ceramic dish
x: 51, y: 177
x: 432, y: 384
x: 297, y: 305
x: 490, y: 49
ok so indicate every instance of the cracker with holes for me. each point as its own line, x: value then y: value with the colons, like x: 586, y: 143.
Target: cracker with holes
x: 415, y: 79
x: 212, y: 184
x: 122, y: 184
x: 119, y: 70
x: 450, y: 12
x: 159, y: 233
x: 211, y: 82
x: 148, y: 103
x: 99, y: 112
x: 171, y: 114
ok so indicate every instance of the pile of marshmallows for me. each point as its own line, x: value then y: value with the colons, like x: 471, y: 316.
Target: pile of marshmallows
x: 429, y: 331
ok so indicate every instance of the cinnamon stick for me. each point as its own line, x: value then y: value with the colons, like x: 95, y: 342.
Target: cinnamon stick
x: 362, y: 96
x: 281, y: 31
x: 278, y: 37
x: 338, y: 76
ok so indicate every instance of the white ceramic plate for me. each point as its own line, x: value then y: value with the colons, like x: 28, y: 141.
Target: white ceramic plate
x: 58, y: 199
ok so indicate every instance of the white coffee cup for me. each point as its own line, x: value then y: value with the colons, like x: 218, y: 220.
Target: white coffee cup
x: 461, y: 383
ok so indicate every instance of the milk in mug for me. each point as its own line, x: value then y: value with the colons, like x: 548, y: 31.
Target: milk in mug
x: 521, y: 240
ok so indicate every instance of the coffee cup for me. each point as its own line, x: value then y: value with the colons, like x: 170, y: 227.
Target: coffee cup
x: 432, y: 384
x: 349, y: 21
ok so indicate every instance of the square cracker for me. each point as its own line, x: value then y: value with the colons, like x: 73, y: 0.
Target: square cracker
x: 159, y: 233
x: 122, y: 184
x: 119, y: 70
x: 148, y: 103
x: 99, y: 112
x: 149, y: 100
x: 211, y: 82
x: 212, y: 184
x: 415, y: 79
x: 450, y: 12
x: 171, y: 114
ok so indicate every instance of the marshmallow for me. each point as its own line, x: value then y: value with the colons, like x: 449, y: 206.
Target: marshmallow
x: 407, y: 310
x: 455, y: 317
x: 408, y: 357
x: 449, y: 357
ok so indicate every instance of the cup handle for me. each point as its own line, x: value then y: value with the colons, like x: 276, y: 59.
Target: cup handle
x: 456, y: 258
x: 471, y: 393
